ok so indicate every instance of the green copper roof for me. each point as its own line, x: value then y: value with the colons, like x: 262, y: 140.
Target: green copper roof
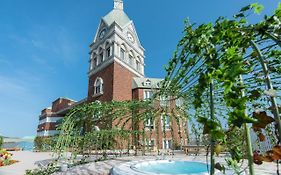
x: 118, y: 16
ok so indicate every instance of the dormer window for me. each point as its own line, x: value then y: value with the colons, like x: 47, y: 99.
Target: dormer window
x: 148, y: 83
x: 98, y: 86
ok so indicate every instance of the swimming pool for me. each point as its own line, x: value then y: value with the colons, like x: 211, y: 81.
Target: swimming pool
x: 162, y: 167
x: 171, y: 167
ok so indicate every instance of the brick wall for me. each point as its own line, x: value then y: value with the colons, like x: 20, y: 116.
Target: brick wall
x: 122, y: 84
x: 46, y: 126
x: 61, y: 103
x: 107, y: 75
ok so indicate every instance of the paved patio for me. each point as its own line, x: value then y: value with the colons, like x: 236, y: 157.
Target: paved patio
x: 26, y: 161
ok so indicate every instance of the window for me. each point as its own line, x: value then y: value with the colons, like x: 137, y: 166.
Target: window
x: 149, y: 124
x: 138, y: 65
x: 108, y: 52
x: 167, y: 144
x: 95, y: 62
x: 166, y: 122
x: 148, y: 95
x: 122, y: 54
x: 131, y: 60
x: 179, y: 102
x: 98, y: 87
x: 148, y: 82
x: 150, y: 143
x: 101, y: 57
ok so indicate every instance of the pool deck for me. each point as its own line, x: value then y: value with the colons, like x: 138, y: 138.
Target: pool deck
x: 27, y: 161
x: 104, y: 167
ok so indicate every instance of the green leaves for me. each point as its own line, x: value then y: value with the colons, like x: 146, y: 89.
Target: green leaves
x: 248, y: 7
x: 223, y: 53
x: 257, y: 7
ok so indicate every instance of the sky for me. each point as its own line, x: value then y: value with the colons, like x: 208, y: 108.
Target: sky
x: 44, y: 47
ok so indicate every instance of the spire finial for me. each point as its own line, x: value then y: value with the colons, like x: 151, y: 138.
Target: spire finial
x: 118, y: 4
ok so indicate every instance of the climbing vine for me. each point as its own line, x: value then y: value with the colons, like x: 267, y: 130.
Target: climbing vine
x: 229, y: 73
x: 116, y: 128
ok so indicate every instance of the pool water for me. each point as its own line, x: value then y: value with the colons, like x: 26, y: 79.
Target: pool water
x: 172, y: 167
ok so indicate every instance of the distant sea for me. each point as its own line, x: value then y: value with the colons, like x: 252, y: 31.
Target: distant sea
x: 26, y: 146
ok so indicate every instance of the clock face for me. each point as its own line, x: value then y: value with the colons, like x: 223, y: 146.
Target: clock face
x: 131, y: 37
x: 102, y: 33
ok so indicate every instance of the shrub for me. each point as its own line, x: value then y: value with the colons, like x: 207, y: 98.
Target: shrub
x: 46, y: 171
x: 1, y: 141
x: 44, y: 143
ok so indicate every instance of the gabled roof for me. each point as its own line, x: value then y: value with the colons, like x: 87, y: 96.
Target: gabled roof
x: 118, y: 16
x: 146, y: 83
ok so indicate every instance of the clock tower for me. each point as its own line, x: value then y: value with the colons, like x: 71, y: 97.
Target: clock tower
x: 116, y: 57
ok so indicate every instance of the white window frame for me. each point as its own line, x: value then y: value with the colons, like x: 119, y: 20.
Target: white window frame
x: 101, y: 55
x: 137, y: 65
x: 149, y: 124
x: 167, y: 144
x: 98, y: 86
x: 95, y: 62
x: 147, y: 94
x: 108, y: 52
x: 131, y: 60
x: 122, y: 54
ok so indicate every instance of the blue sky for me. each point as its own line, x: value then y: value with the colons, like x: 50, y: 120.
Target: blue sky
x: 44, y: 47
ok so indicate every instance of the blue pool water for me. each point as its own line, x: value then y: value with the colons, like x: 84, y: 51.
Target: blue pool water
x: 26, y: 146
x: 172, y: 167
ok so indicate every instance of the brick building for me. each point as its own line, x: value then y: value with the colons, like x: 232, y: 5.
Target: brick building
x: 116, y: 72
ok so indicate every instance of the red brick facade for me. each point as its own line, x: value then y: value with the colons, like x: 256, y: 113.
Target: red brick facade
x: 49, y: 116
x: 117, y: 84
x: 118, y: 63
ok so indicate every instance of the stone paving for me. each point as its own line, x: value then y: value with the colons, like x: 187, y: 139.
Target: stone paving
x: 27, y: 161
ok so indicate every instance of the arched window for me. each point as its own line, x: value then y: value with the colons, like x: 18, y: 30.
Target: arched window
x: 131, y: 58
x: 138, y: 64
x: 108, y: 49
x: 122, y: 52
x: 98, y: 87
x: 94, y: 61
x: 101, y: 56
